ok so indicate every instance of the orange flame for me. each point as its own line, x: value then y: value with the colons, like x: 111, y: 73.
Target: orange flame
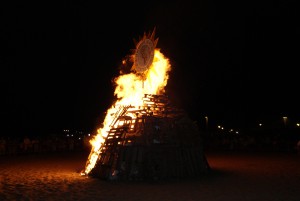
x: 130, y: 90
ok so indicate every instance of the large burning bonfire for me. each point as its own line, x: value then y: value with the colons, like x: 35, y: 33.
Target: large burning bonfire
x: 143, y: 136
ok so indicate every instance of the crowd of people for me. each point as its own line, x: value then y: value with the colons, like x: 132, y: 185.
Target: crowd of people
x: 27, y: 145
x: 212, y: 141
x: 236, y: 142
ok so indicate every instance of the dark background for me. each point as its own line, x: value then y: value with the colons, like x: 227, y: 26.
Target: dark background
x: 236, y: 63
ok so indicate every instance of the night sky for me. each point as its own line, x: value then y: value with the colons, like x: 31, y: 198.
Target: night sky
x: 236, y: 63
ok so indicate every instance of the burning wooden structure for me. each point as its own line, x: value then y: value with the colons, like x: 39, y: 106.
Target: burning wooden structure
x: 150, y: 142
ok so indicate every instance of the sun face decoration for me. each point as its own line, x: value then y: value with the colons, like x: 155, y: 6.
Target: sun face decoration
x: 144, y: 53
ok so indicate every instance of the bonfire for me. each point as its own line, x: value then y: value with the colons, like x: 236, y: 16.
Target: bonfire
x: 143, y: 136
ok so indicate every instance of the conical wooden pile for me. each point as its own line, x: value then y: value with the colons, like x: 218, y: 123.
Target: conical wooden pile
x: 161, y: 142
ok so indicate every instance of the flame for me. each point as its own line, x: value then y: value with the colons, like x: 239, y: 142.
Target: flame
x: 130, y: 90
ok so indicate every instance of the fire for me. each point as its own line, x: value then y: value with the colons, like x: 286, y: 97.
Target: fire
x: 130, y: 89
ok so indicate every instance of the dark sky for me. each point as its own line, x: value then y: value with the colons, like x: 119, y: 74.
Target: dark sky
x: 234, y: 62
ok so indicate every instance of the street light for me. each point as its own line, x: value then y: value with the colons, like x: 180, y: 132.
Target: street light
x: 284, y: 121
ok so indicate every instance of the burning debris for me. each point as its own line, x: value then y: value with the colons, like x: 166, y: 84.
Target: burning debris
x: 143, y: 136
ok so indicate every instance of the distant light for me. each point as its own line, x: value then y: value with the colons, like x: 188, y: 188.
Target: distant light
x: 236, y: 132
x: 260, y: 124
x: 219, y: 126
x: 298, y: 124
x: 89, y: 134
x: 284, y: 120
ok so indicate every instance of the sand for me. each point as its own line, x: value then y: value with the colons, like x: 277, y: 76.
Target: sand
x: 233, y: 176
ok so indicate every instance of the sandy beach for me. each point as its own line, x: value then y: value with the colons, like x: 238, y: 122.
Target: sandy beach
x: 233, y: 176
